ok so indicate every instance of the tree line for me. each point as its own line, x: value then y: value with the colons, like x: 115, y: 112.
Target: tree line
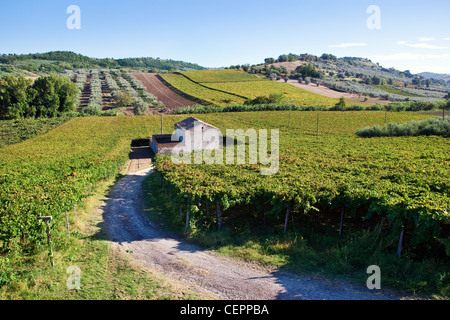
x: 46, y: 97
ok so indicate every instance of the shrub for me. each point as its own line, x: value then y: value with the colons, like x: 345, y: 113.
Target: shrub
x: 274, y: 98
x: 428, y: 127
x: 141, y: 108
x: 91, y: 110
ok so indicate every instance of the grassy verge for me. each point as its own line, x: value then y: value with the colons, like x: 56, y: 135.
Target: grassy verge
x: 321, y: 251
x: 107, y: 273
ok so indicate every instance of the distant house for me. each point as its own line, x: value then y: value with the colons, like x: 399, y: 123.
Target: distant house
x: 190, y: 134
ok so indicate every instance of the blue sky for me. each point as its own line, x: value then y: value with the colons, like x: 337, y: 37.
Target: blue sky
x: 414, y: 34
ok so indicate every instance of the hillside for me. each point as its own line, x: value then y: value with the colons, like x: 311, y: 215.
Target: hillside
x: 353, y: 75
x: 58, y: 61
x: 227, y: 87
x: 439, y: 76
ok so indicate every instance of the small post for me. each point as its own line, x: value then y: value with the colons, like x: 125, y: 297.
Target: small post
x: 49, y: 239
x: 289, y: 121
x: 288, y: 211
x: 218, y: 216
x: 400, y: 242
x: 341, y: 225
x: 67, y: 225
x: 187, y: 211
x: 317, y: 124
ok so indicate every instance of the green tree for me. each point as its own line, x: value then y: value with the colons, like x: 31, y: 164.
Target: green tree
x: 15, y: 96
x: 123, y: 99
x: 340, y: 105
x: 308, y: 70
x: 54, y: 95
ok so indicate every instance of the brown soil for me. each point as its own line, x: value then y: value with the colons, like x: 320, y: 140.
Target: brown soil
x: 327, y: 92
x: 164, y: 94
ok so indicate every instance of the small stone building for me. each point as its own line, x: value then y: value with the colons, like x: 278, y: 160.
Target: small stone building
x: 190, y: 134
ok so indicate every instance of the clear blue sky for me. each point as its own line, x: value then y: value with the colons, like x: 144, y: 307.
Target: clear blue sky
x: 414, y: 34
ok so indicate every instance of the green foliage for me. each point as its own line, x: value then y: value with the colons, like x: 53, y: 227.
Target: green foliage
x: 141, y: 109
x: 55, y: 95
x: 308, y: 70
x: 49, y: 96
x: 15, y: 96
x: 15, y: 131
x: 91, y: 110
x: 401, y: 181
x: 53, y: 172
x: 340, y: 106
x: 428, y: 127
x: 274, y: 98
x: 123, y: 99
x: 159, y: 64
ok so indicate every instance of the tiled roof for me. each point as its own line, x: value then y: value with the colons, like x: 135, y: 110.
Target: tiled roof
x: 189, y: 123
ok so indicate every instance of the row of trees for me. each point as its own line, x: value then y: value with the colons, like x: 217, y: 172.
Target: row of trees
x: 48, y: 96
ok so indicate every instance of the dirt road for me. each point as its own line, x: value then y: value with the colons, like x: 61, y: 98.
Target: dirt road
x: 164, y: 94
x: 204, y: 271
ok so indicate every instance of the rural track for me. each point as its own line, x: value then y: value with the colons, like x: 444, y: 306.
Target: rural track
x: 206, y: 272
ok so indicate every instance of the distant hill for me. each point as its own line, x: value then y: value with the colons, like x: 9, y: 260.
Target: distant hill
x: 58, y: 61
x: 353, y: 75
x: 439, y: 76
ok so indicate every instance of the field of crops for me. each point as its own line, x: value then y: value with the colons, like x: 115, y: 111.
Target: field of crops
x: 404, y: 180
x: 290, y: 93
x: 53, y: 172
x: 401, y: 181
x: 227, y: 75
x: 225, y: 87
x: 192, y: 89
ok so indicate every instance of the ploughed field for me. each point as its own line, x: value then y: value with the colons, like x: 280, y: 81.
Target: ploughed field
x: 171, y: 99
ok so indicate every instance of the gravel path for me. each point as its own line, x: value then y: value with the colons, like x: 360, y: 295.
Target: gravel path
x: 205, y: 271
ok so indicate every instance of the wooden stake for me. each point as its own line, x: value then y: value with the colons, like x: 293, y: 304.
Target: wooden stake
x: 67, y: 225
x: 286, y: 219
x: 187, y: 215
x: 49, y: 239
x: 400, y: 242
x: 341, y: 225
x: 317, y: 124
x: 181, y: 211
x: 218, y: 216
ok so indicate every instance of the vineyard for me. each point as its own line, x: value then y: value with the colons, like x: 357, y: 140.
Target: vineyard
x: 59, y: 170
x: 225, y: 87
x: 399, y: 184
x: 327, y: 174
